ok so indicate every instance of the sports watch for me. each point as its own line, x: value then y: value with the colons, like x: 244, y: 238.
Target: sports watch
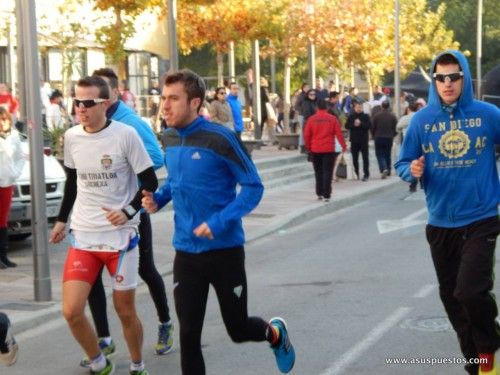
x: 129, y: 211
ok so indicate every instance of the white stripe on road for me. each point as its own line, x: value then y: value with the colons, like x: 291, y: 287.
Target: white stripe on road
x: 425, y: 291
x: 373, y: 336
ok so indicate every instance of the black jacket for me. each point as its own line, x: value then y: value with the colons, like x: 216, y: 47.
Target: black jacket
x: 358, y: 134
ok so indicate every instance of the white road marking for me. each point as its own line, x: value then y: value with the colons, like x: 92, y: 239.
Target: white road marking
x: 370, y: 339
x: 425, y: 291
x: 386, y: 226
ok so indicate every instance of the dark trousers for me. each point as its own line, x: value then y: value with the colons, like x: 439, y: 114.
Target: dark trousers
x: 356, y: 148
x: 193, y: 273
x: 383, y: 147
x: 323, y: 171
x: 147, y: 272
x: 464, y: 259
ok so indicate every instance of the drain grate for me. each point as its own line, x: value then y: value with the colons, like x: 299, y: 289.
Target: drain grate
x: 429, y: 324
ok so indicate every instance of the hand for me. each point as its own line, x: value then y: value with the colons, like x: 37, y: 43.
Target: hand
x: 148, y: 202
x: 203, y: 231
x: 417, y: 167
x: 115, y: 217
x: 58, y: 232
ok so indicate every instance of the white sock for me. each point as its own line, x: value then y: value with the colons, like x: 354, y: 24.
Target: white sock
x: 136, y: 366
x: 106, y: 339
x: 98, y: 363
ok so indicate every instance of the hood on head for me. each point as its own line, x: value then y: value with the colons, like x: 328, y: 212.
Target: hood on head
x: 467, y: 95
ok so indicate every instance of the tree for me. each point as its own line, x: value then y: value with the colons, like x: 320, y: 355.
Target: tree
x: 114, y: 35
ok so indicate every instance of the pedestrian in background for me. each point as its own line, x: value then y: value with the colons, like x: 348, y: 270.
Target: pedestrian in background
x: 205, y: 163
x: 8, y: 344
x: 8, y: 101
x: 236, y: 108
x: 322, y: 130
x: 384, y: 129
x: 450, y: 146
x: 220, y: 111
x: 401, y: 128
x: 12, y: 161
x: 126, y: 95
x: 359, y: 125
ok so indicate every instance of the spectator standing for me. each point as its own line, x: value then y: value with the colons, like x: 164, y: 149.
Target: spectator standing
x: 358, y: 123
x: 8, y: 101
x: 12, y: 161
x: 450, y: 146
x: 220, y: 111
x: 384, y: 129
x: 126, y: 95
x: 236, y: 109
x: 322, y: 129
x: 55, y: 117
x: 321, y: 91
x: 301, y: 97
x: 401, y: 128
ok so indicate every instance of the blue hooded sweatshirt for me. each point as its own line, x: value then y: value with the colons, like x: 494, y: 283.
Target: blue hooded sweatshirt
x: 460, y: 176
x: 235, y: 105
x: 205, y: 163
x: 122, y: 113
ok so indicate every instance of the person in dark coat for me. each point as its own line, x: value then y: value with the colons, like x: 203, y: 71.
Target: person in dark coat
x: 358, y: 123
x: 384, y: 129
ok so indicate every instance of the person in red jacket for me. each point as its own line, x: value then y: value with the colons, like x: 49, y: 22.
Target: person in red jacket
x: 8, y: 101
x: 319, y: 137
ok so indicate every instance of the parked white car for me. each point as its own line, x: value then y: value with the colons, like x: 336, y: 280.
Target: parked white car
x: 20, y: 213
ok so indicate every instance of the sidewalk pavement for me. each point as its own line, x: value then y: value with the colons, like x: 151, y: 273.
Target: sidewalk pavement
x: 280, y: 208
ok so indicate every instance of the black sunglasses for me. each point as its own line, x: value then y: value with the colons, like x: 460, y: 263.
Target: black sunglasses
x: 222, y: 93
x: 452, y: 76
x: 88, y: 103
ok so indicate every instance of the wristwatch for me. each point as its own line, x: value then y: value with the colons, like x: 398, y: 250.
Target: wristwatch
x: 129, y: 211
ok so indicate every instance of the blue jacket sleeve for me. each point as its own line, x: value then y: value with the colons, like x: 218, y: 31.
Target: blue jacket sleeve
x: 410, y: 150
x: 248, y: 197
x: 163, y: 195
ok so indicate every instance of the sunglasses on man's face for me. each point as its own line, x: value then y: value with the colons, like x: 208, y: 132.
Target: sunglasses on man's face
x: 88, y: 103
x: 441, y: 77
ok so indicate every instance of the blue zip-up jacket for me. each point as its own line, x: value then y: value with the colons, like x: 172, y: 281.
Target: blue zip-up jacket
x: 126, y: 115
x: 460, y: 175
x: 235, y: 105
x: 205, y: 162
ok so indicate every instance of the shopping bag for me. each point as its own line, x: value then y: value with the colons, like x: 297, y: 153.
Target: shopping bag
x: 341, y: 168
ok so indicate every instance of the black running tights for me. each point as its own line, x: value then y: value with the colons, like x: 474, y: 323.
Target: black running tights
x: 193, y: 274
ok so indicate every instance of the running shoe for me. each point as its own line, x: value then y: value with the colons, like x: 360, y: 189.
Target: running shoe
x: 165, y: 338
x: 488, y: 365
x: 108, y: 370
x: 107, y: 350
x: 10, y: 357
x: 283, y: 350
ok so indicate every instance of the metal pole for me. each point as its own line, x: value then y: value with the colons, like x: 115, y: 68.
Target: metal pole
x: 21, y: 91
x: 172, y: 34
x: 311, y: 59
x: 397, y: 90
x: 232, y: 75
x: 42, y: 282
x: 257, y: 110
x: 479, y: 46
x: 273, y: 69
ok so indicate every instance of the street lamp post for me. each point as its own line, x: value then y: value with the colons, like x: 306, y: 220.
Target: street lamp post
x: 28, y: 68
x: 479, y: 46
x: 311, y: 51
x: 172, y: 34
x: 397, y: 103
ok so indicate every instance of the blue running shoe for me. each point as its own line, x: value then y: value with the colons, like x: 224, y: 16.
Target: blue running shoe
x: 283, y: 350
x: 107, y: 349
x: 165, y: 338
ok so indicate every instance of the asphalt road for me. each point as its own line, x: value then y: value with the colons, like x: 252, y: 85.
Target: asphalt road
x: 356, y: 287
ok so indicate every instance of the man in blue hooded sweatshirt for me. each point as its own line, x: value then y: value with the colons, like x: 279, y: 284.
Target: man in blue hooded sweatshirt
x: 449, y: 145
